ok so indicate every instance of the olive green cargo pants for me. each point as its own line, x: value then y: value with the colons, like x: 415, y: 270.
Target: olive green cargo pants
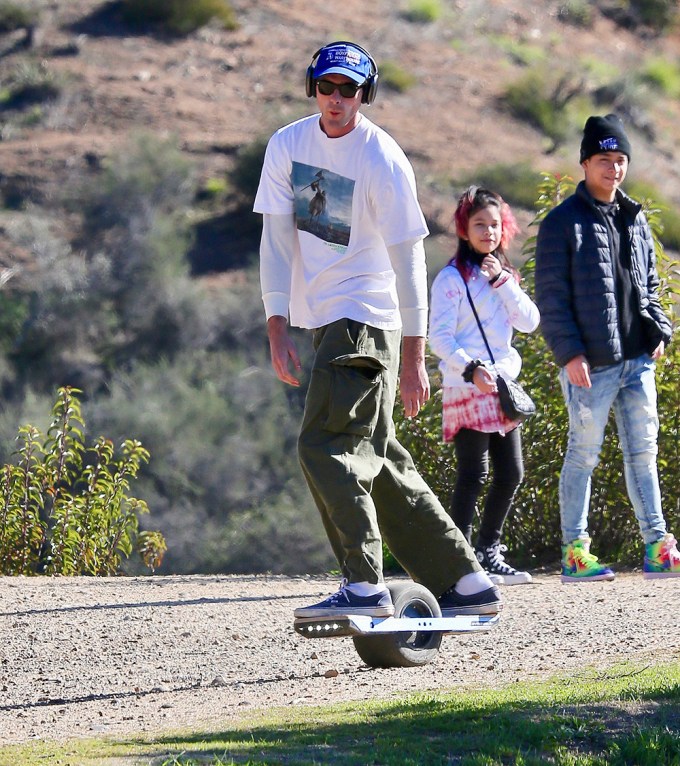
x: 363, y: 481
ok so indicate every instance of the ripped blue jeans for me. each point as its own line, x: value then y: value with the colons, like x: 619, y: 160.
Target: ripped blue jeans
x: 629, y: 387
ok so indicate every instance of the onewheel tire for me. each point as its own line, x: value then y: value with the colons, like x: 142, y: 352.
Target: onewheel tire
x: 403, y: 650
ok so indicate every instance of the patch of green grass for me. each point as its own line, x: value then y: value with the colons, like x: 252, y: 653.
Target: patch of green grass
x: 178, y: 16
x: 14, y: 15
x: 669, y: 215
x: 578, y: 13
x: 395, y: 77
x: 30, y: 83
x: 214, y: 189
x: 664, y: 75
x: 423, y: 11
x: 597, y: 70
x: 519, y: 51
x: 516, y: 182
x: 628, y: 715
x: 658, y: 14
x: 542, y: 100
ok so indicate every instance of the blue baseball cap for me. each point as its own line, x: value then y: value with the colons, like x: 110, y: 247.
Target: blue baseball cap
x: 343, y: 58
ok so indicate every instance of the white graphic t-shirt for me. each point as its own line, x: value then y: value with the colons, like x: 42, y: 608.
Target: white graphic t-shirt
x: 351, y: 197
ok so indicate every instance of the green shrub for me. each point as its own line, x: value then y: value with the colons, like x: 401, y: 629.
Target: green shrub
x: 123, y: 291
x: 395, y: 77
x: 515, y: 182
x: 30, y: 83
x: 225, y: 484
x: 519, y: 51
x: 542, y: 101
x: 213, y: 190
x: 245, y: 176
x: 578, y: 13
x: 664, y: 75
x: 64, y: 507
x: 423, y: 11
x: 659, y: 14
x: 16, y: 16
x: 13, y: 313
x: 179, y: 16
x: 668, y: 215
x: 144, y: 177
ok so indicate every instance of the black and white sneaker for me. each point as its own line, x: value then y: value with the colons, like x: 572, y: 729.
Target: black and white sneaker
x: 488, y: 601
x: 492, y: 560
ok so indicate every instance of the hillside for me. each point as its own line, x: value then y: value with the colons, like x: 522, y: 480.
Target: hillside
x: 218, y: 91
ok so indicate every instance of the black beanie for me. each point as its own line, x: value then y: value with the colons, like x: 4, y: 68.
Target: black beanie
x: 604, y: 134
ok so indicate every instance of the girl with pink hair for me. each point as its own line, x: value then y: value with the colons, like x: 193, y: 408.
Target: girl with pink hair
x: 480, y: 278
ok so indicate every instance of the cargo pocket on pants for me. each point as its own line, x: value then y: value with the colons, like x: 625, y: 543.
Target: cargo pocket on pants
x: 355, y: 394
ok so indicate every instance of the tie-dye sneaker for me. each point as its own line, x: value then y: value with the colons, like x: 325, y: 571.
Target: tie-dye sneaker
x: 662, y: 559
x: 579, y: 564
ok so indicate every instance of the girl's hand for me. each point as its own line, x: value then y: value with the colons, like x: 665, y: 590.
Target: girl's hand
x: 484, y: 380
x: 491, y: 266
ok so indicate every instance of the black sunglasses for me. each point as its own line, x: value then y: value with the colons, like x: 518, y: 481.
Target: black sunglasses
x: 346, y: 89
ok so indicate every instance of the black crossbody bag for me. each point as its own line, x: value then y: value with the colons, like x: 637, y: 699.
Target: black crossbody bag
x: 515, y: 401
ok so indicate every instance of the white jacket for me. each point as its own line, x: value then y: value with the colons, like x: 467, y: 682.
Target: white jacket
x: 454, y: 334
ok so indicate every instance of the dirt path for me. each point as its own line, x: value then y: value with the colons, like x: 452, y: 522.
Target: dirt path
x: 82, y: 656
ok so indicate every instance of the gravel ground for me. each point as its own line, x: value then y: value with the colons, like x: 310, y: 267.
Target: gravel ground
x: 87, y: 656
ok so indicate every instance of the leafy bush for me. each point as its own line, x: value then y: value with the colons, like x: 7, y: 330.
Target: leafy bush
x: 145, y: 177
x: 124, y: 291
x: 519, y: 51
x: 127, y: 293
x: 225, y: 483
x: 179, y: 16
x: 245, y: 176
x: 658, y: 15
x: 395, y: 77
x: 515, y: 182
x: 578, y: 13
x: 532, y: 531
x: 668, y: 215
x: 16, y: 16
x: 542, y: 100
x: 664, y: 75
x: 182, y: 363
x: 30, y: 83
x: 423, y: 11
x: 13, y: 312
x: 64, y: 508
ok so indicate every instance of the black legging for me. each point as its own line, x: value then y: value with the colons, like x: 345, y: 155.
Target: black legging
x: 473, y: 450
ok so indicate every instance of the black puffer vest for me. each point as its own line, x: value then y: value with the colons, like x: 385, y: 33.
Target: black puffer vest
x: 575, y: 288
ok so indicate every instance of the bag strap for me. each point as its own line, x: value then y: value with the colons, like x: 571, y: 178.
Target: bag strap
x: 479, y: 324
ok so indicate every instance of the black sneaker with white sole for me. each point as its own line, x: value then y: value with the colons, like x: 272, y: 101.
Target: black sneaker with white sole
x: 492, y: 560
x: 488, y: 601
x: 344, y: 603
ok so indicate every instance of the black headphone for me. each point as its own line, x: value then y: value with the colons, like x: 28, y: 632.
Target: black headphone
x: 369, y: 87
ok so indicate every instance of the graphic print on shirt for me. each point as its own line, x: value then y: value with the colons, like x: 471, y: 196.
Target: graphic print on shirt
x: 323, y: 204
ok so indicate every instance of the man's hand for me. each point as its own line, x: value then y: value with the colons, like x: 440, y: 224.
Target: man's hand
x: 578, y: 371
x: 282, y: 350
x: 414, y: 384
